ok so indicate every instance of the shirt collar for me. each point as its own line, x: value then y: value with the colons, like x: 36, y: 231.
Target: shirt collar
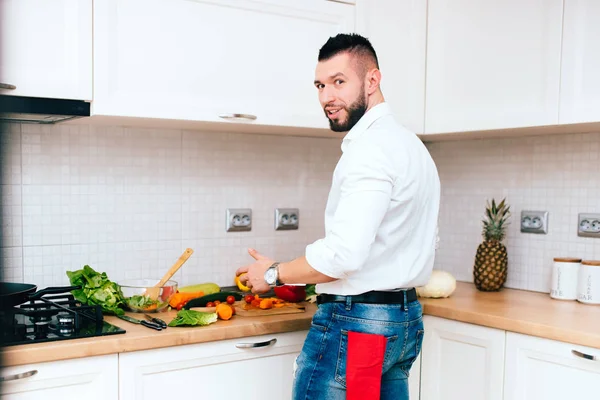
x: 374, y: 113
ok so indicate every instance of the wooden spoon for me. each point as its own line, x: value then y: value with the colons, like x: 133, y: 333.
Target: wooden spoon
x: 155, y: 291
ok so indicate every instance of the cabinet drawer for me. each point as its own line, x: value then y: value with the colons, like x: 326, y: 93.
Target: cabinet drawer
x: 92, y: 378
x: 539, y: 368
x: 225, y: 366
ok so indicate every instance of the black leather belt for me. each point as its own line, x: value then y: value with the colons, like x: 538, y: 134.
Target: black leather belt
x: 373, y: 297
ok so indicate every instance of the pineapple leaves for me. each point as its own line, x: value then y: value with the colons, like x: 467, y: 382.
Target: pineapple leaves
x: 497, y: 216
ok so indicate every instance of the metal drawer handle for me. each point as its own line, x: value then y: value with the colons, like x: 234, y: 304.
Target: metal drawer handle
x: 18, y: 376
x: 255, y: 345
x: 233, y: 116
x: 583, y: 355
x: 7, y: 86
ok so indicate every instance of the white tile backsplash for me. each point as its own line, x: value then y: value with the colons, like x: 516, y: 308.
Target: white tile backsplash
x: 559, y: 174
x: 128, y: 201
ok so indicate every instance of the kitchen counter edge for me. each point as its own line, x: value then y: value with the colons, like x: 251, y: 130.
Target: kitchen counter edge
x: 530, y: 313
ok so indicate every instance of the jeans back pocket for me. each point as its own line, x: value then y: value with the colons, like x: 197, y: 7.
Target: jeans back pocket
x: 342, y: 356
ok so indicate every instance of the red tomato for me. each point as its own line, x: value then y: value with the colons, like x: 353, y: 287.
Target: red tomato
x: 230, y: 299
x: 210, y: 304
x: 248, y: 298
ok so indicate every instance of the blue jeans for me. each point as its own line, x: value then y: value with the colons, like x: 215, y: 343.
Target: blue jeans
x: 320, y: 370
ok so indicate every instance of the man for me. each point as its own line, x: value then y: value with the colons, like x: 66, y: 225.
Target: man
x: 380, y: 224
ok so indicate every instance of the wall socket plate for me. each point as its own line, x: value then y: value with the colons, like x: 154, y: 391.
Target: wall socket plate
x: 534, y: 222
x: 286, y: 218
x: 239, y: 219
x: 588, y: 225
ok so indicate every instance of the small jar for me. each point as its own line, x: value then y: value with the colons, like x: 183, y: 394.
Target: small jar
x: 588, y: 288
x: 565, y: 275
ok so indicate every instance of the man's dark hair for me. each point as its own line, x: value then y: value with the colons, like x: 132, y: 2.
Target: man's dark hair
x: 355, y: 44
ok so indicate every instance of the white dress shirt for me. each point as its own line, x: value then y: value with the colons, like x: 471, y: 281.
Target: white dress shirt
x: 382, y: 211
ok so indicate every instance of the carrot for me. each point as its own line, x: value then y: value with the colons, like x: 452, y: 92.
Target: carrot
x: 179, y: 299
x: 224, y: 311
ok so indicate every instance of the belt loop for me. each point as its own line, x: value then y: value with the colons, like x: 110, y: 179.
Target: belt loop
x: 348, y: 303
x: 405, y: 300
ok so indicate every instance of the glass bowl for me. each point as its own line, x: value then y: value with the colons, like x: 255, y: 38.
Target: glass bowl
x: 137, y: 298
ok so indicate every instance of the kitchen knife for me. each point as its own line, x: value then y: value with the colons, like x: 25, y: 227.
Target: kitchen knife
x: 148, y: 324
x: 159, y: 321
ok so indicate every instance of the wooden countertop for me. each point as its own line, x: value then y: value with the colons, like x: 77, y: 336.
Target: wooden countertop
x: 513, y: 310
x: 530, y: 313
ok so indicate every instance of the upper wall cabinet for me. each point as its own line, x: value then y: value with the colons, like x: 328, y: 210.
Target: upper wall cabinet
x: 493, y: 64
x: 580, y: 83
x: 213, y: 60
x: 46, y: 48
x: 398, y: 31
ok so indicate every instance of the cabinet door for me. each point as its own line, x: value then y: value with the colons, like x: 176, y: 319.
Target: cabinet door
x: 461, y: 361
x: 90, y: 378
x: 397, y: 30
x: 492, y: 64
x: 46, y: 48
x: 217, y: 370
x: 207, y: 60
x: 539, y: 368
x: 580, y: 83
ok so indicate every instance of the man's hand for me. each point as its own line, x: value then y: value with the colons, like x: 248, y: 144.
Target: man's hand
x: 255, y: 272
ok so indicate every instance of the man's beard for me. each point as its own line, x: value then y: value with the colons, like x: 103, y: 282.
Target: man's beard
x: 355, y: 113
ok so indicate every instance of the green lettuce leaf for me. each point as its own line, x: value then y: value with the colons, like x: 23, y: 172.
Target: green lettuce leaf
x: 193, y: 318
x: 96, y: 288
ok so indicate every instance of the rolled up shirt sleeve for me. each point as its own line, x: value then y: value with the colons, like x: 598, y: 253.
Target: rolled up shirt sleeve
x: 365, y: 194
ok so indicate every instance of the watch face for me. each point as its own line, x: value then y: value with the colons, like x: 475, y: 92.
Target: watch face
x: 270, y: 276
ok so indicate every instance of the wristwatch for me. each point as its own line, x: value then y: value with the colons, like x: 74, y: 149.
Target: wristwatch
x: 272, y: 275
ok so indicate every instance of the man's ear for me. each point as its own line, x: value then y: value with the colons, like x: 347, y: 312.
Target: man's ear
x: 373, y: 78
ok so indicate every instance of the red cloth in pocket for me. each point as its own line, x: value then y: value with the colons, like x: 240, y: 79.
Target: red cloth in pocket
x: 364, y: 364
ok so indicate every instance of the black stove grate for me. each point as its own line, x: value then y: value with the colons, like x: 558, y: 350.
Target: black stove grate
x: 52, y: 318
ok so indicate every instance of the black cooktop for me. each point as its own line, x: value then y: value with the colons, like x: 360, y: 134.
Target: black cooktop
x: 52, y: 318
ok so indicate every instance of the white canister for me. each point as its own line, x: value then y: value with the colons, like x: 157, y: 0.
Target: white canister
x: 588, y: 290
x: 565, y: 274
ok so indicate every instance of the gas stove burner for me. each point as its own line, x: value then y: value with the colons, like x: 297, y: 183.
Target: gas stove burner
x: 51, y: 318
x: 41, y: 319
x: 40, y: 329
x: 65, y: 319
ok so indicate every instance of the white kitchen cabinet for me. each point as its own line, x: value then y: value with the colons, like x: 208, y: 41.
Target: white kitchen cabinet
x: 538, y: 368
x: 46, y: 48
x: 397, y: 30
x: 90, y: 378
x: 461, y: 361
x: 492, y: 64
x: 227, y: 369
x: 580, y: 80
x: 209, y: 60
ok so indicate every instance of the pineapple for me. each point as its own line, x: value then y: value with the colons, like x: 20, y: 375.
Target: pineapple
x: 491, y: 259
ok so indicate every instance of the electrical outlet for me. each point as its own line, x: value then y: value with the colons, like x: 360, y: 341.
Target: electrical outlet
x: 589, y: 225
x: 239, y: 219
x: 534, y: 222
x: 286, y: 218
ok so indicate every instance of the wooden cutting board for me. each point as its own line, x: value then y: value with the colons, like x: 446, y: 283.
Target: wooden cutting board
x: 289, y: 308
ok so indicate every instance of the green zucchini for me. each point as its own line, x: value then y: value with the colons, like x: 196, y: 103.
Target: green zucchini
x: 221, y: 296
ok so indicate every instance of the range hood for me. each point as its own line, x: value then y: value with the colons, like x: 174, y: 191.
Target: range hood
x: 39, y: 110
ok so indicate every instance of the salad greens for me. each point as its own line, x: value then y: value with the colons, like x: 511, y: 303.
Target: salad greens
x: 96, y: 288
x: 193, y: 318
x: 141, y: 302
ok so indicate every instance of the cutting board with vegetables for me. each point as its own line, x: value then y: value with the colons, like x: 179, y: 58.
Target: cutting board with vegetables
x: 243, y: 309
